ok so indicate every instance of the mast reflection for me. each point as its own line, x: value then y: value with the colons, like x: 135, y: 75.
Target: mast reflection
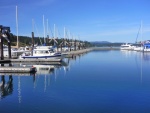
x: 43, y: 71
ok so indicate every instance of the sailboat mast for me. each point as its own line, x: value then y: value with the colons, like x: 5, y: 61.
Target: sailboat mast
x: 64, y: 33
x: 32, y: 25
x: 141, y: 30
x: 141, y: 52
x: 17, y: 25
x: 54, y: 30
x: 47, y: 29
x: 44, y: 28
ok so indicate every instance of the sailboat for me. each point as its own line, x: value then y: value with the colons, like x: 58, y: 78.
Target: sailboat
x: 139, y: 47
x: 43, y: 52
x: 14, y: 49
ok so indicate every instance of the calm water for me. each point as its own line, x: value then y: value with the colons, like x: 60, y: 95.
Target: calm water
x: 96, y: 82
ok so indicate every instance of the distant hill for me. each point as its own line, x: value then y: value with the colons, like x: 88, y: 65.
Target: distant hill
x: 105, y: 43
x: 100, y: 42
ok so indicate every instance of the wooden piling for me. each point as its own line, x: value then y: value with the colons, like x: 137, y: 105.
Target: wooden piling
x: 1, y: 45
x: 32, y: 43
x: 9, y: 44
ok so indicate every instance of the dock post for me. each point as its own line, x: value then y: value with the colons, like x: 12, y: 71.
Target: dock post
x: 32, y: 43
x: 79, y: 46
x: 1, y: 43
x: 9, y: 43
x: 70, y: 46
x: 75, y: 45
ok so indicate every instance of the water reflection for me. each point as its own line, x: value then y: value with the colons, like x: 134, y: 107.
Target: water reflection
x: 6, y: 88
x: 146, y: 56
x: 43, y: 69
x: 127, y: 53
x: 46, y: 75
x: 73, y: 88
x: 142, y: 55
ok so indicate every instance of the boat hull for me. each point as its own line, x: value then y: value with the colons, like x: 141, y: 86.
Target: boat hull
x: 60, y: 57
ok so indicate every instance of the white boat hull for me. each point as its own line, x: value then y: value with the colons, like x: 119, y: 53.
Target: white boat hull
x: 53, y: 57
x: 146, y: 50
x: 127, y: 47
x: 138, y: 49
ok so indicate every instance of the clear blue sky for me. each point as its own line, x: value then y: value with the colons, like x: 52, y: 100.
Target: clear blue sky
x: 91, y: 20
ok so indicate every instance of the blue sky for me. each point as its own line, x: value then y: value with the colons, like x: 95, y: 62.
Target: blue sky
x: 90, y: 20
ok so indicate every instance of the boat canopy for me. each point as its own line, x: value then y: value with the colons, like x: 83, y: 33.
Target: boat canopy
x: 147, y: 45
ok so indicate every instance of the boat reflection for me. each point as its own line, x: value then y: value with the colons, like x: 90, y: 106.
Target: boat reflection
x: 146, y: 56
x: 46, y: 75
x: 127, y: 53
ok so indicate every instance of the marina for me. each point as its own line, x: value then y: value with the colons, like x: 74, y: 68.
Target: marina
x: 74, y: 56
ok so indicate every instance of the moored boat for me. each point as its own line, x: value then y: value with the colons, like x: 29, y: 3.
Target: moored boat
x: 138, y: 48
x: 127, y: 47
x: 42, y: 52
x: 14, y: 53
x: 146, y: 47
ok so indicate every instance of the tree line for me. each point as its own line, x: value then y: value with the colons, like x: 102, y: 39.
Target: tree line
x: 27, y: 41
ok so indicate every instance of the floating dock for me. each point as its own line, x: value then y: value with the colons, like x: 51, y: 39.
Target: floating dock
x: 17, y: 74
x: 35, y: 60
x: 67, y: 55
x: 74, y: 53
x: 17, y: 69
x: 29, y: 60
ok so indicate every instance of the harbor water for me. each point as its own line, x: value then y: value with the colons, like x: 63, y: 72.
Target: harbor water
x: 110, y: 81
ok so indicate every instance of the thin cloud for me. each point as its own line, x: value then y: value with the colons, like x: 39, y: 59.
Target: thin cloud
x: 117, y: 32
x: 44, y: 2
x: 124, y: 32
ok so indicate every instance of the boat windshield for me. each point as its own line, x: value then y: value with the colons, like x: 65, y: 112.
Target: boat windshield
x: 41, y: 52
x: 51, y: 51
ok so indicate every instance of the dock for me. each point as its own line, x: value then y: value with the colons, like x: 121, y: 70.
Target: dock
x: 17, y: 69
x: 35, y: 60
x: 17, y: 74
x: 78, y: 52
x: 29, y: 60
x: 68, y: 54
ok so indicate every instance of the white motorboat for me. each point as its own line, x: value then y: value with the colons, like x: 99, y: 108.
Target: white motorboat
x: 127, y: 47
x: 43, y: 52
x: 138, y: 48
x: 14, y: 53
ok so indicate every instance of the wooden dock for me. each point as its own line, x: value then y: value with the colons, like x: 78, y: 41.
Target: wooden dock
x: 35, y: 60
x: 17, y: 74
x: 17, y: 69
x: 68, y: 54
x: 29, y: 60
x: 71, y: 54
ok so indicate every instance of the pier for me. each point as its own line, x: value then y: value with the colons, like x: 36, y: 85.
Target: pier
x: 77, y: 52
x: 68, y: 54
x: 17, y: 69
